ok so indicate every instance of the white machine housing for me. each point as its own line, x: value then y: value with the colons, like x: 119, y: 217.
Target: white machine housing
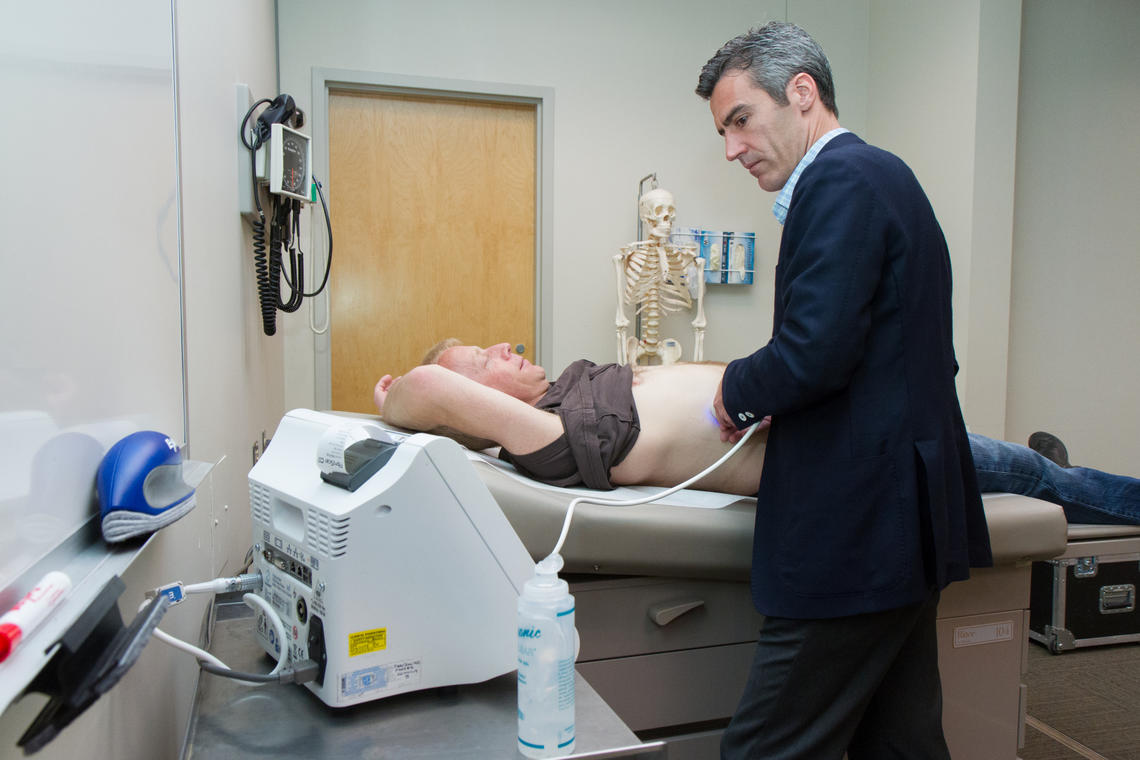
x: 410, y: 582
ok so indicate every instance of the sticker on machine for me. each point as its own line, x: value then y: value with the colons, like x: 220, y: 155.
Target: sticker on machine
x: 367, y: 642
x: 395, y: 676
x: 991, y: 633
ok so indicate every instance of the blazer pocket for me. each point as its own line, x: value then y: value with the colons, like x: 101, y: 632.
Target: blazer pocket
x: 844, y: 529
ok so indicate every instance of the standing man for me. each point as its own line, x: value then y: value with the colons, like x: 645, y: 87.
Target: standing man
x: 868, y: 503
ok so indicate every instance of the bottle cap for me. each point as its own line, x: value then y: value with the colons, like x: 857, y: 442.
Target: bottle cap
x: 546, y: 585
x: 548, y: 568
x: 9, y: 635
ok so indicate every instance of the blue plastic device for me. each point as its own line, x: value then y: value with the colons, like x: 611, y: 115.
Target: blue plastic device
x: 140, y: 486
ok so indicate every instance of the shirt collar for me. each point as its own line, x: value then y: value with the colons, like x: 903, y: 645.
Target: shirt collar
x: 784, y: 199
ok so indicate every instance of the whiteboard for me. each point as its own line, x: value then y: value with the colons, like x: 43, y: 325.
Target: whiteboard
x: 91, y: 347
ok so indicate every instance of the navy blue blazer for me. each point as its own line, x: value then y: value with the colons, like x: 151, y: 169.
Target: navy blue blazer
x: 869, y: 499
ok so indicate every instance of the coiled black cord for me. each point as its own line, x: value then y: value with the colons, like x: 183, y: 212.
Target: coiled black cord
x: 261, y: 268
x: 262, y: 261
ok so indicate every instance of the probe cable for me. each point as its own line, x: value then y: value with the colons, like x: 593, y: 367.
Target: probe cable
x: 646, y: 499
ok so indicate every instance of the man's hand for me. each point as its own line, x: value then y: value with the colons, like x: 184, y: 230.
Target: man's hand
x: 380, y: 393
x: 728, y: 430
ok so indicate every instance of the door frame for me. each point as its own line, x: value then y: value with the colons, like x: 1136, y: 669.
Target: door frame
x: 542, y: 98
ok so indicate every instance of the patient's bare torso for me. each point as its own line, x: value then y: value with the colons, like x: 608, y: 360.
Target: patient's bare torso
x: 679, y: 435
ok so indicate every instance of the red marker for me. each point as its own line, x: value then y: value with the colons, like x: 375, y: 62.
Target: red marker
x: 31, y: 610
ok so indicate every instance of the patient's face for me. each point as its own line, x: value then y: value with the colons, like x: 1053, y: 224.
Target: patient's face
x: 498, y: 367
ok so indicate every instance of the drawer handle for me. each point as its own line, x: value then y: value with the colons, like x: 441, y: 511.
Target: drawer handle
x: 665, y: 613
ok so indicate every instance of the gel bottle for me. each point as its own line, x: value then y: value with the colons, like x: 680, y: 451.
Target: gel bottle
x: 547, y: 645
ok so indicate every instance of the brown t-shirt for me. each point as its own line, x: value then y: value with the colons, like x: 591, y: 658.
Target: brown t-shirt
x: 599, y: 423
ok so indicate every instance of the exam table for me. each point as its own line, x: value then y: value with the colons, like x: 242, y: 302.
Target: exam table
x: 668, y: 628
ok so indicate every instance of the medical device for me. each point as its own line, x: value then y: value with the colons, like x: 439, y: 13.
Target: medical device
x: 281, y: 159
x: 390, y: 563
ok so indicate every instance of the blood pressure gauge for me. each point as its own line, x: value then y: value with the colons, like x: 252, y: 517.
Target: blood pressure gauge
x: 290, y: 162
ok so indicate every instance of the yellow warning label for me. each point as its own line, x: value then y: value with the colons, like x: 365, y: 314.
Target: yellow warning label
x: 367, y: 641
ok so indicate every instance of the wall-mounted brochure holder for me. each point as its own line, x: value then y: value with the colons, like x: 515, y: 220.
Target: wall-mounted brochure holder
x: 729, y: 256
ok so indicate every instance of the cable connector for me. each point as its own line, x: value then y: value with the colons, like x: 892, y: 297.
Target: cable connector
x: 243, y: 582
x: 234, y: 583
x: 173, y: 591
x: 177, y: 592
x: 301, y: 672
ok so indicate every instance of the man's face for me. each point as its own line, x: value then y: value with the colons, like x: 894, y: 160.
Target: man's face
x: 499, y: 368
x: 768, y: 139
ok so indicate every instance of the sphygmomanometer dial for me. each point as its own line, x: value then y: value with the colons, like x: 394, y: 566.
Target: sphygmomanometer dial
x: 293, y: 166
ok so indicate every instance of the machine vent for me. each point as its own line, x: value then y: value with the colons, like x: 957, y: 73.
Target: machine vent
x: 259, y: 504
x: 325, y: 534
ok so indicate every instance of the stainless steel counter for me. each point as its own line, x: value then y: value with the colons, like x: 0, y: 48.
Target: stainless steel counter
x: 235, y: 720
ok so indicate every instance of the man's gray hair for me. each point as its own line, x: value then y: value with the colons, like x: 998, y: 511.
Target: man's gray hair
x: 433, y: 353
x: 772, y: 55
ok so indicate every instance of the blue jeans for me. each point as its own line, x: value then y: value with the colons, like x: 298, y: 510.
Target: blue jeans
x: 1087, y: 495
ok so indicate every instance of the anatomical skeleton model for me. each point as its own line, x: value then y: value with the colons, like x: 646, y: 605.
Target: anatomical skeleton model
x: 656, y: 277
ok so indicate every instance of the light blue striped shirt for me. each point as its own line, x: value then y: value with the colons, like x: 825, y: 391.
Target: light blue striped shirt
x: 784, y: 199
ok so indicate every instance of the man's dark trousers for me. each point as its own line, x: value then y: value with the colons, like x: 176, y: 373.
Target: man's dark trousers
x: 866, y: 684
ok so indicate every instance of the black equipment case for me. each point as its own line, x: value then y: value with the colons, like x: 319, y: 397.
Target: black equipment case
x: 1087, y: 596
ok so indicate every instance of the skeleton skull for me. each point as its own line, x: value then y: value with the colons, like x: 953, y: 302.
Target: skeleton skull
x: 657, y: 212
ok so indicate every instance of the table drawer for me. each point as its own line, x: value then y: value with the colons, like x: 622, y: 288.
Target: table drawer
x: 620, y: 618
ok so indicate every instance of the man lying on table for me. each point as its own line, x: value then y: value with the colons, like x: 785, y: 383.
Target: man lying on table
x: 610, y: 425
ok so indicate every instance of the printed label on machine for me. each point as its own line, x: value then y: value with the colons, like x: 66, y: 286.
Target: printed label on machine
x: 391, y: 677
x: 972, y: 635
x: 366, y: 642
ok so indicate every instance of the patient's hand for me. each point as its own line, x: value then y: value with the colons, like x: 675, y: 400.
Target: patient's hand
x: 380, y: 393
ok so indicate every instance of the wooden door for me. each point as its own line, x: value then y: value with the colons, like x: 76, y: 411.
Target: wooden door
x: 434, y: 228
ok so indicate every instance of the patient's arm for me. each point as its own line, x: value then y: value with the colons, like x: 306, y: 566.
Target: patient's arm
x: 431, y: 397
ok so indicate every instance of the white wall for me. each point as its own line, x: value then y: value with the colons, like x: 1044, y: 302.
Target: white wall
x: 234, y: 380
x: 236, y: 387
x: 1075, y: 341
x: 954, y: 122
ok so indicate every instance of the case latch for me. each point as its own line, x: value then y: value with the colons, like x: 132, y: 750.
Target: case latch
x: 1085, y: 568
